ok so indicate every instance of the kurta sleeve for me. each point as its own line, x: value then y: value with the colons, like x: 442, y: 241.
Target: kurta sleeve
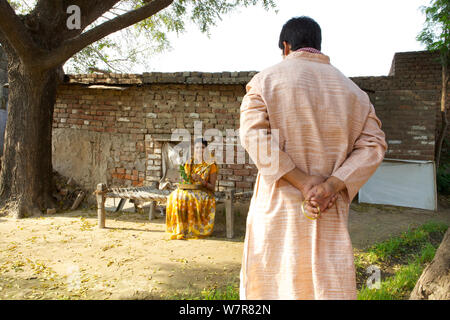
x: 368, y: 153
x: 257, y: 139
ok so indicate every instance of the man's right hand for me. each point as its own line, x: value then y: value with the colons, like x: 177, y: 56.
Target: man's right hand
x: 325, y: 194
x: 321, y: 198
x: 309, y: 182
x: 306, y: 184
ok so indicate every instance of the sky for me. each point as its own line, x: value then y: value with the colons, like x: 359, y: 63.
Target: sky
x: 360, y: 36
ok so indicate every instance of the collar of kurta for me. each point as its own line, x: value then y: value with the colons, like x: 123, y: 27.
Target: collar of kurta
x: 309, y: 49
x: 321, y: 58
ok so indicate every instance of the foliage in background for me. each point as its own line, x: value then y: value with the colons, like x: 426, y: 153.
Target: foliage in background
x: 134, y: 46
x: 443, y: 179
x: 443, y: 172
x: 22, y: 6
x: 436, y: 37
x: 436, y: 31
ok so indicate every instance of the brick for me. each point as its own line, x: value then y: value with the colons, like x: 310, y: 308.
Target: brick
x: 244, y: 185
x: 242, y: 172
x: 250, y: 179
x: 227, y: 183
x: 234, y: 178
x: 226, y: 171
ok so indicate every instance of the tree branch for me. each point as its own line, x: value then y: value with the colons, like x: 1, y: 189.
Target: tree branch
x: 16, y: 34
x: 99, y: 54
x: 93, y: 9
x: 53, y: 16
x: 69, y: 47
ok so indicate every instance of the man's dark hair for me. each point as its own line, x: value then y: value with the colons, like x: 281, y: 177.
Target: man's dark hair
x: 301, y: 32
x: 201, y: 140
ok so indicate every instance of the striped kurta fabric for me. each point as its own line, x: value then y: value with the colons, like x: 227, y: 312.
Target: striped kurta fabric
x: 310, y: 116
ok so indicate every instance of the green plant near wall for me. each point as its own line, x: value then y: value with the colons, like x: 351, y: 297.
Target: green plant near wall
x: 443, y: 179
x: 443, y: 172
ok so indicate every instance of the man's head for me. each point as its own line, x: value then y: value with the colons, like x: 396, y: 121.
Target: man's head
x: 300, y: 32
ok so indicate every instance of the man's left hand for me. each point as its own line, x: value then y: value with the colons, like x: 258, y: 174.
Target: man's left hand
x: 309, y: 183
x: 321, y: 198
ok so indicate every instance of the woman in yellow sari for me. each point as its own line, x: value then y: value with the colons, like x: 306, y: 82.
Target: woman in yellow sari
x: 190, y: 213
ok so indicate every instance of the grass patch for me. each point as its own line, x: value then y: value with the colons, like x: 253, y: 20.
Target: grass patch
x: 408, y: 243
x: 230, y: 292
x: 401, y: 261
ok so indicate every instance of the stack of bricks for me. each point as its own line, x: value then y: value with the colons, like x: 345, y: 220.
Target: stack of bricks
x: 122, y: 174
x: 142, y: 111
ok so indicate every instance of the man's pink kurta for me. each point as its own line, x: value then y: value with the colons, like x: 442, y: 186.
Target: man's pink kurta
x: 326, y: 126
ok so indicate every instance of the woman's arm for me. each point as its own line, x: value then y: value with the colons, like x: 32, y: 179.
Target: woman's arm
x: 211, y: 183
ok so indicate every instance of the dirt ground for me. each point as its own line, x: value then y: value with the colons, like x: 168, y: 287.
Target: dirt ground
x: 65, y: 256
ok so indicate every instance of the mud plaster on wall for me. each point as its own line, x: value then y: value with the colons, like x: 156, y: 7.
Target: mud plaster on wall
x: 82, y: 155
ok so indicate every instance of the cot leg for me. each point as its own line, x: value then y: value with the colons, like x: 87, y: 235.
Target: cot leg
x: 151, y: 212
x: 120, y: 205
x: 163, y: 211
x: 229, y: 215
x: 101, y: 198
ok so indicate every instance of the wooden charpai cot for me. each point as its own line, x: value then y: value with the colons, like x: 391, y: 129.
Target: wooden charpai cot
x: 154, y: 196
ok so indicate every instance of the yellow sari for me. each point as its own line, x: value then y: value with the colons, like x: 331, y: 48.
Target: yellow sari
x: 190, y: 213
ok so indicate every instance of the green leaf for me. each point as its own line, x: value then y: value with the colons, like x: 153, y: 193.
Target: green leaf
x: 435, y: 34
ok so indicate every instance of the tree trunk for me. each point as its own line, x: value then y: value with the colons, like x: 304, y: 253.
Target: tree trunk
x: 444, y: 121
x: 26, y: 182
x: 441, y: 137
x: 434, y: 283
x: 38, y: 44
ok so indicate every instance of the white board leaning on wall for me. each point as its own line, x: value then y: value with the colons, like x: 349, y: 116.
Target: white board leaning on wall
x: 405, y: 183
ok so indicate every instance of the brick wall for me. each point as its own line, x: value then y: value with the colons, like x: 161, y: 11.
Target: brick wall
x: 146, y: 109
x: 138, y: 113
x: 406, y: 100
